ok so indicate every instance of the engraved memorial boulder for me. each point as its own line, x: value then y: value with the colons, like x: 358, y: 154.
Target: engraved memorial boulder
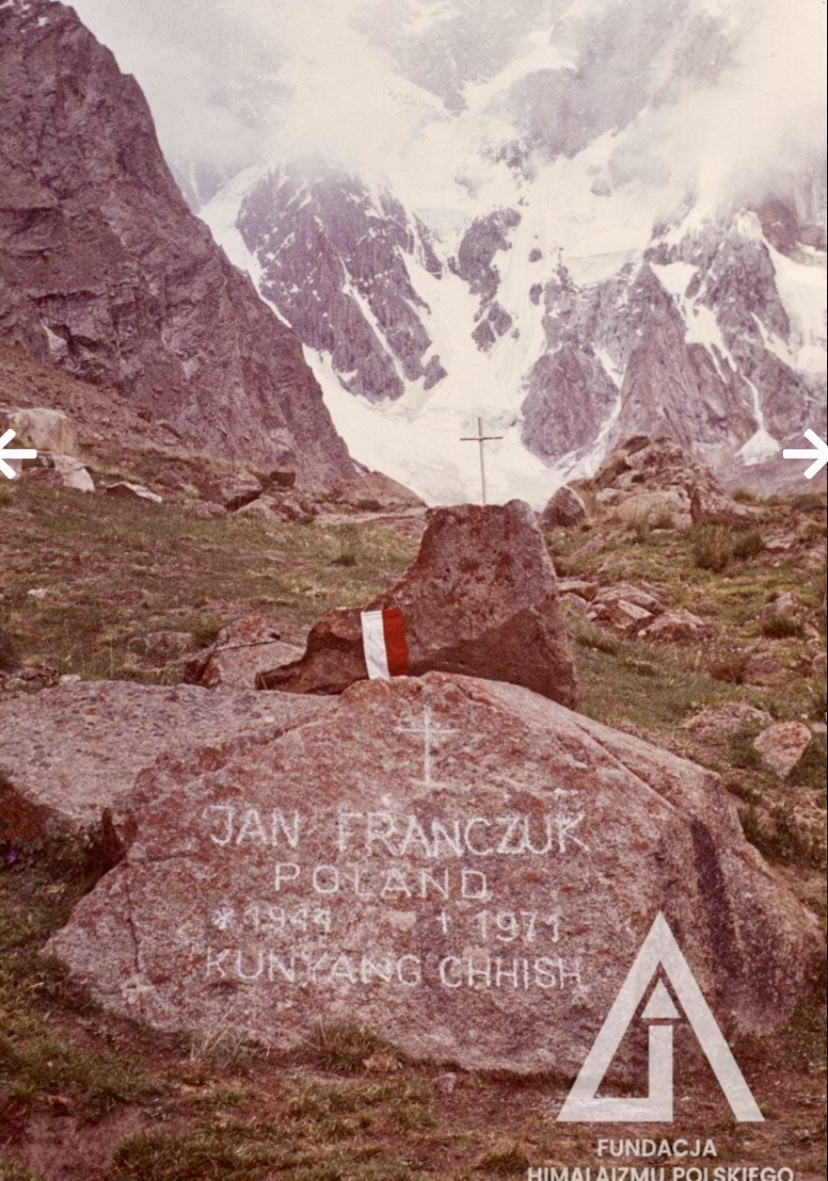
x: 464, y: 867
x: 480, y: 599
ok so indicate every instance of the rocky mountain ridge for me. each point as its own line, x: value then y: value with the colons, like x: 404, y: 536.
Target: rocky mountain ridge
x: 108, y: 276
x: 711, y: 334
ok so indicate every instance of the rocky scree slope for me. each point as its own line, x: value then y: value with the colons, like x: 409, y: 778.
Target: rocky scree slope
x: 107, y: 275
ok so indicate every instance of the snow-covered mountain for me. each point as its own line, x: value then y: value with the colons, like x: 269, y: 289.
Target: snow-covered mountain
x: 577, y: 221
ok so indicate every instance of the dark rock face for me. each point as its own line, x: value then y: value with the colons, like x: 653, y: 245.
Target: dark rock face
x: 475, y: 262
x: 569, y: 395
x: 108, y: 276
x: 677, y: 348
x: 333, y: 262
x: 480, y: 599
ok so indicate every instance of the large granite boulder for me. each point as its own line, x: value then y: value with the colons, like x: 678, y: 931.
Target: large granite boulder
x: 480, y: 599
x: 465, y: 867
x: 75, y: 751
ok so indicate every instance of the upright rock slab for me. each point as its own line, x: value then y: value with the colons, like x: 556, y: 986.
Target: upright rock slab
x: 480, y: 599
x: 464, y: 867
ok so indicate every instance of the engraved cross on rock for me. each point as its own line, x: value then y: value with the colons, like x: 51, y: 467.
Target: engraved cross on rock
x: 429, y: 732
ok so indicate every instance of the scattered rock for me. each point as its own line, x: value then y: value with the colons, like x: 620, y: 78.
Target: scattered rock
x: 819, y: 666
x: 638, y: 595
x: 780, y: 542
x: 576, y: 602
x: 201, y: 508
x: 163, y: 647
x: 666, y: 507
x: 239, y: 653
x: 233, y: 488
x: 127, y: 491
x: 578, y: 586
x: 479, y: 599
x: 332, y: 872
x: 784, y: 605
x: 565, y: 509
x: 78, y: 747
x: 44, y: 429
x: 73, y: 474
x: 623, y: 616
x: 783, y: 745
x: 711, y: 506
x: 762, y: 668
x: 170, y: 478
x: 374, y: 493
x: 281, y: 479
x: 677, y: 627
x: 287, y: 507
x: 625, y: 608
x: 726, y: 718
x: 644, y: 476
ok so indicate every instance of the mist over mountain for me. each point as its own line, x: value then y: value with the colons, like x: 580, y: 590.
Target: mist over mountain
x: 578, y: 220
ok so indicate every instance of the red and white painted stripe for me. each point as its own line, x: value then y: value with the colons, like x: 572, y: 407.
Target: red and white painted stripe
x: 384, y: 643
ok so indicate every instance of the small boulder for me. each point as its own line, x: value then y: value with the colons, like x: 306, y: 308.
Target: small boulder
x: 783, y: 745
x: 234, y: 489
x: 126, y: 491
x: 625, y: 608
x: 44, y: 429
x: 564, y: 509
x: 638, y: 595
x: 784, y: 606
x: 281, y: 479
x: 286, y: 507
x: 578, y: 586
x: 666, y: 507
x: 163, y: 647
x: 374, y: 493
x: 240, y: 652
x: 73, y: 474
x: 762, y: 668
x: 480, y: 599
x: 711, y: 506
x: 677, y: 627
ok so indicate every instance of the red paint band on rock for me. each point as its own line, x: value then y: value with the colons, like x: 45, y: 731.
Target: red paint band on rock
x: 396, y: 644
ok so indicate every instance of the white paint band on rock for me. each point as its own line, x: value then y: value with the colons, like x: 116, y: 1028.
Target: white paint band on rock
x: 373, y: 643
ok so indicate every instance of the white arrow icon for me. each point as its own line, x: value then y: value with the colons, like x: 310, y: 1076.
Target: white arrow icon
x: 19, y: 453
x: 819, y: 455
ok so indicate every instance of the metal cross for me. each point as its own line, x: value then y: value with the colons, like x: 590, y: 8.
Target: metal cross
x: 480, y: 439
x: 428, y: 731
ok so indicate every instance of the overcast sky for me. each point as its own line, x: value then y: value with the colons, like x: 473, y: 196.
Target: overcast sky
x: 233, y: 82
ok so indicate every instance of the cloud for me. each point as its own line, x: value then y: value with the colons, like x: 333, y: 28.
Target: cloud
x: 231, y: 84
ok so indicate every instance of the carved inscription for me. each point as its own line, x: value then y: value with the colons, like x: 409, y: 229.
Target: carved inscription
x: 397, y: 899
